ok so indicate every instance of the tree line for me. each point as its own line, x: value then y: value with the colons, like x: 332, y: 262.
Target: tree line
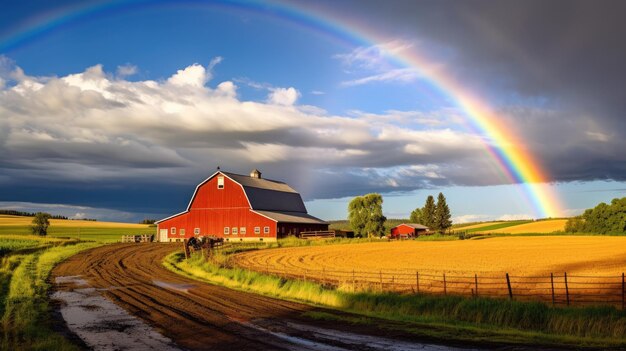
x: 602, y: 219
x: 27, y: 214
x: 365, y: 214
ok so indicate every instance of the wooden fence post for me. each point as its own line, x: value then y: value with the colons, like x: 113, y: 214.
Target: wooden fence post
x: 623, y: 291
x: 417, y: 281
x: 476, y: 283
x: 566, y: 288
x: 186, y: 249
x: 445, y: 288
x: 508, y: 284
x: 552, y: 284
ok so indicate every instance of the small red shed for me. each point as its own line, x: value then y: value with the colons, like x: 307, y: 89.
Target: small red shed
x: 240, y: 208
x: 408, y: 230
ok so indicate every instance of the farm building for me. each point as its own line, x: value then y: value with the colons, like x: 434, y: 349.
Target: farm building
x: 408, y: 230
x: 241, y: 208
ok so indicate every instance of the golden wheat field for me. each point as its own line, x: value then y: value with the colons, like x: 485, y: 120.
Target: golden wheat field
x: 593, y: 264
x: 517, y: 255
x: 478, y: 225
x: 6, y: 220
x: 547, y: 226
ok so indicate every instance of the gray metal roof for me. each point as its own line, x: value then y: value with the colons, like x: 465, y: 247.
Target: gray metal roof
x: 415, y: 225
x: 260, y: 183
x: 269, y: 195
x: 291, y: 217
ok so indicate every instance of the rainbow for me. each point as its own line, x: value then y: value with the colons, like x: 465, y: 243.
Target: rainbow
x: 517, y: 163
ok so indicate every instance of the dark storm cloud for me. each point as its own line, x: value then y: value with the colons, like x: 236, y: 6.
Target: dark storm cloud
x: 566, y: 57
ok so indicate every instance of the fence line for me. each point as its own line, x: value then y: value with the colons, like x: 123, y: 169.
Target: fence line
x: 556, y: 289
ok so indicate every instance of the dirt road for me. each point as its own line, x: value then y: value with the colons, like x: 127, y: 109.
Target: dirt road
x: 199, y: 316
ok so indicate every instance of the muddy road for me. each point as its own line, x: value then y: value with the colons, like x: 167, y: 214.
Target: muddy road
x: 200, y: 316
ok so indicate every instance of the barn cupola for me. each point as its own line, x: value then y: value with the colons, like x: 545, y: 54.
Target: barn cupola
x: 255, y: 173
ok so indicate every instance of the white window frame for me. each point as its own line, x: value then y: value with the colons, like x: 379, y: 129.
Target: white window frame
x: 220, y: 182
x: 226, y: 230
x: 196, y: 231
x: 235, y: 231
x: 242, y: 230
x: 173, y: 230
x: 257, y: 230
x: 266, y: 230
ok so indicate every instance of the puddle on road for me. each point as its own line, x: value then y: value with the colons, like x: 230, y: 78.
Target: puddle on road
x: 322, y: 339
x: 101, y: 324
x: 178, y: 287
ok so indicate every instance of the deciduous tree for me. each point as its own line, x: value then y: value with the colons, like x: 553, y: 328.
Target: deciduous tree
x: 40, y: 223
x: 416, y: 216
x: 365, y: 214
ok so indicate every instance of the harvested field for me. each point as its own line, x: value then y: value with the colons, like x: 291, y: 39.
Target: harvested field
x: 547, y: 226
x: 594, y: 265
x: 6, y: 220
x: 474, y: 226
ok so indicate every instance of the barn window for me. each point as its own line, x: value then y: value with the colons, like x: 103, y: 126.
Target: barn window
x: 234, y: 230
x: 242, y: 230
x: 172, y: 230
x: 196, y: 231
x: 257, y: 230
x: 220, y: 182
x: 182, y: 232
x: 266, y: 230
x: 226, y: 230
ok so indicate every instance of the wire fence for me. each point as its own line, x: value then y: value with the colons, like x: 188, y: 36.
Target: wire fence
x: 556, y: 289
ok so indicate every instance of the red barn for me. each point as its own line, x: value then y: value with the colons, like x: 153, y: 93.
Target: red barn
x: 240, y: 208
x: 408, y: 230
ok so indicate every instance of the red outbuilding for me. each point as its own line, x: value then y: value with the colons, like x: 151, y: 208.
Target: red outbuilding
x: 406, y: 230
x: 240, y: 208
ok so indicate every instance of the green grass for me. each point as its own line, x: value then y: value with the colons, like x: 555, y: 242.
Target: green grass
x: 345, y: 225
x: 95, y: 234
x: 25, y: 322
x: 480, y: 319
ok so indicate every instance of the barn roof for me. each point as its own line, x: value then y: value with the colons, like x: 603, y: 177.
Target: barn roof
x: 291, y: 217
x: 414, y: 225
x: 269, y: 195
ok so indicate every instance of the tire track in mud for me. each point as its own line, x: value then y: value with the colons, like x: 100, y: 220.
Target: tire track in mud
x: 199, y: 316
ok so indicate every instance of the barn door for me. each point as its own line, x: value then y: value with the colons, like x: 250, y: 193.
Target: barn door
x: 163, y: 235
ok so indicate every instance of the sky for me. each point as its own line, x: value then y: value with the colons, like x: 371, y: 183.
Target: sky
x: 116, y: 110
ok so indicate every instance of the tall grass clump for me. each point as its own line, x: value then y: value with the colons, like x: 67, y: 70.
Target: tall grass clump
x: 25, y: 321
x: 465, y: 318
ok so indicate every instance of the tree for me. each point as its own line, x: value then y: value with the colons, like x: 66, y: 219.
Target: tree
x: 365, y: 214
x: 416, y: 216
x: 442, y: 214
x: 40, y: 223
x: 428, y: 213
x: 602, y: 219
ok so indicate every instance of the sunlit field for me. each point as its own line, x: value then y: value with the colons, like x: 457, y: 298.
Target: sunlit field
x: 547, y: 226
x: 85, y: 230
x: 522, y: 255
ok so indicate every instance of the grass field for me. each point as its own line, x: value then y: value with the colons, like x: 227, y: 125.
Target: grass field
x: 520, y: 255
x: 85, y: 230
x: 25, y: 321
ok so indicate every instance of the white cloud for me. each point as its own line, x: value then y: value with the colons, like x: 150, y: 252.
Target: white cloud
x: 470, y: 218
x: 396, y: 75
x: 283, y: 96
x: 91, y: 125
x: 194, y: 75
x: 317, y: 92
x: 515, y: 217
x: 126, y: 70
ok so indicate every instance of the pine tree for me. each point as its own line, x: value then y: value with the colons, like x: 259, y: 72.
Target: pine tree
x: 428, y: 213
x: 442, y: 214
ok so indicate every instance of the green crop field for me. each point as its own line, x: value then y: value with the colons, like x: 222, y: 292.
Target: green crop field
x: 83, y: 230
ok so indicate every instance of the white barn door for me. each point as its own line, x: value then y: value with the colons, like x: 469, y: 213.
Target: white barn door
x: 163, y: 235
